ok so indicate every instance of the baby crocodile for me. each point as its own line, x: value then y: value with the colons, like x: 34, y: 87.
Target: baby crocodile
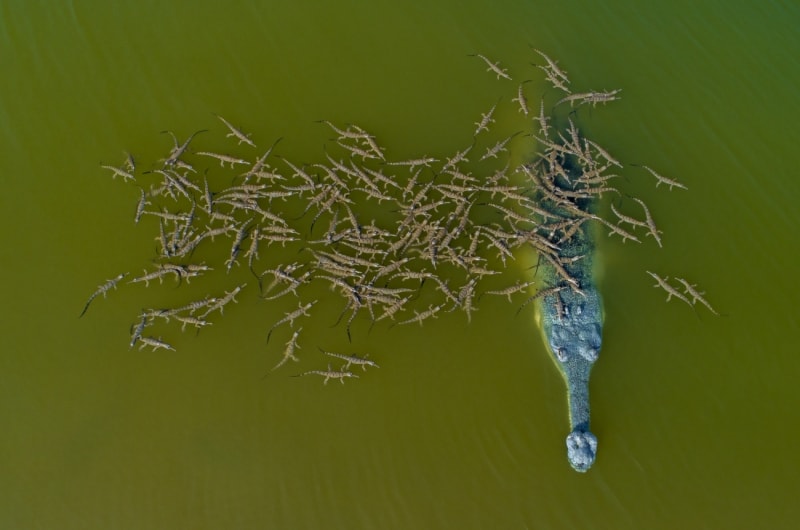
x: 329, y: 374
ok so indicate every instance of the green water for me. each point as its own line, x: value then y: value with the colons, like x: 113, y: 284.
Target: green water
x: 463, y: 425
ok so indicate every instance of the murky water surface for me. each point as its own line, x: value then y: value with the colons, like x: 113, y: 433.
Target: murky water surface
x: 463, y: 425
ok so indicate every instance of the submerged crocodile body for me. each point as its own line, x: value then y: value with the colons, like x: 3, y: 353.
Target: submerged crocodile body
x: 571, y: 320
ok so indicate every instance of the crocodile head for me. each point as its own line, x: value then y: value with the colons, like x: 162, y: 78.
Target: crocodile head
x: 572, y: 325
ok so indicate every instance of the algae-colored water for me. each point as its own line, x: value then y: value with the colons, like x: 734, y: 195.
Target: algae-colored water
x: 464, y: 424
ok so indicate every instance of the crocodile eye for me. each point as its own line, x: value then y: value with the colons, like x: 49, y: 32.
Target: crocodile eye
x: 561, y: 353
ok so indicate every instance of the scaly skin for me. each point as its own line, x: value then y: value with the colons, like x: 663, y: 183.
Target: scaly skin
x: 572, y: 325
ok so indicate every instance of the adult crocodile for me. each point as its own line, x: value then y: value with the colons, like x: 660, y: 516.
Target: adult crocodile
x: 570, y: 315
x: 572, y: 324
